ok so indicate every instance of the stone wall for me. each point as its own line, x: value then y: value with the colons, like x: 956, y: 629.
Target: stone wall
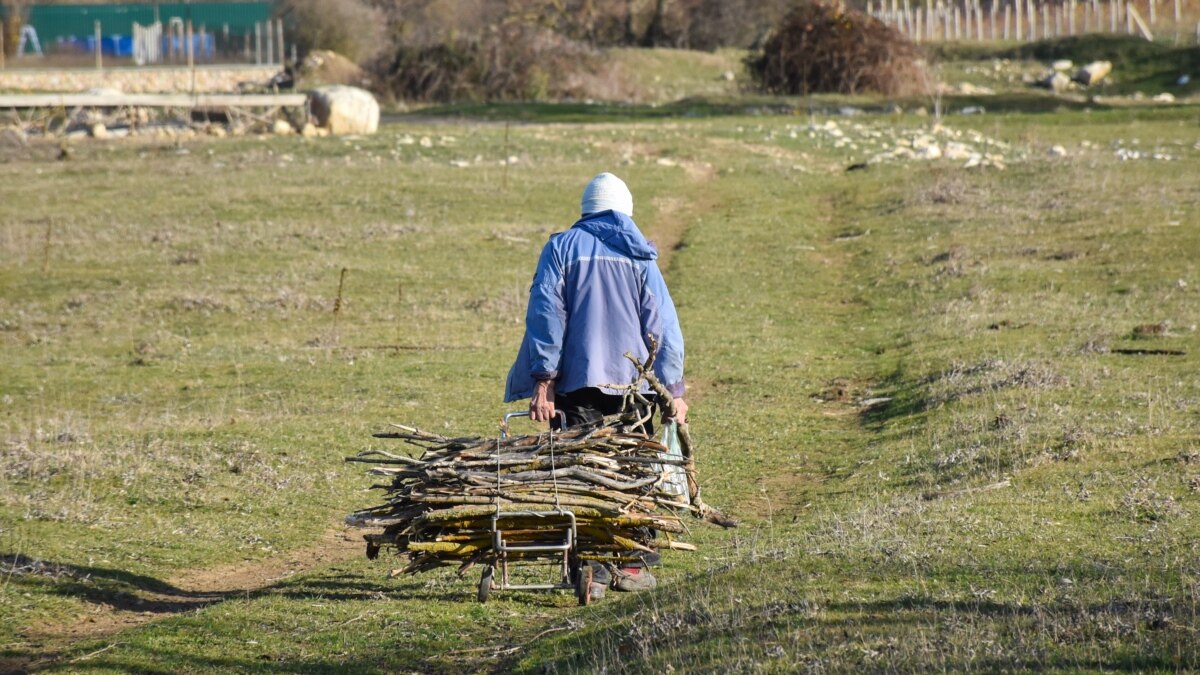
x: 209, y: 79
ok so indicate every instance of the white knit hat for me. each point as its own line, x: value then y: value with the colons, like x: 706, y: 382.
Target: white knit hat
x: 605, y: 192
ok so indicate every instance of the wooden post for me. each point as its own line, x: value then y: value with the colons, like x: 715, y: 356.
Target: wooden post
x: 979, y: 21
x: 1153, y: 12
x: 191, y: 55
x: 270, y: 43
x: 1018, y: 32
x: 1177, y: 22
x: 282, y: 52
x: 1071, y: 18
x: 1045, y: 21
x: 918, y: 32
x: 258, y: 43
x: 1007, y: 21
x: 2, y: 36
x: 1113, y: 10
x: 99, y: 47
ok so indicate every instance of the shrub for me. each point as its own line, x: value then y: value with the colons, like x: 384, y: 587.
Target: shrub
x: 348, y: 27
x: 822, y: 48
x: 514, y: 61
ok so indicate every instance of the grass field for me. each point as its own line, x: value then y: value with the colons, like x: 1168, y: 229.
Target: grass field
x: 955, y: 409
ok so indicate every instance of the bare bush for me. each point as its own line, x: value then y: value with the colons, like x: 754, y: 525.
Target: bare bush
x: 514, y: 61
x: 349, y: 27
x: 823, y: 48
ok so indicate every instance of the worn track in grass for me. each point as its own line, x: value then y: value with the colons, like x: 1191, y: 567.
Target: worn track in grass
x: 188, y: 591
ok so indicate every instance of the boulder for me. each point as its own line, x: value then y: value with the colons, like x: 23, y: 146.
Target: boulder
x: 1057, y: 82
x: 99, y: 131
x: 1063, y: 64
x: 1165, y: 97
x: 344, y: 110
x: 1093, y: 73
x: 1058, y: 151
x: 282, y: 128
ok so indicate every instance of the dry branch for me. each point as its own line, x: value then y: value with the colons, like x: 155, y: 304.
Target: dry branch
x: 439, y: 507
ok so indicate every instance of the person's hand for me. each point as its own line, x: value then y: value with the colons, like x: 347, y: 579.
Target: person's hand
x: 681, y: 409
x: 541, y: 406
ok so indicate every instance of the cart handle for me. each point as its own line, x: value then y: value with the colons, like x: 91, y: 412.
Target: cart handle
x: 562, y: 416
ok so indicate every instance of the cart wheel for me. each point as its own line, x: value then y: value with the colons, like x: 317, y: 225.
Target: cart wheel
x: 583, y: 586
x: 372, y: 550
x: 485, y: 583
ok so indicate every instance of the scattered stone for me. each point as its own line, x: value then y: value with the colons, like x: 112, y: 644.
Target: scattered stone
x: 282, y: 128
x: 426, y: 142
x: 849, y: 111
x: 666, y: 161
x: 957, y: 151
x: 215, y: 130
x: 99, y: 131
x: 728, y: 76
x: 345, y: 110
x: 1165, y: 97
x: 1063, y: 64
x: 1093, y: 73
x: 892, y: 109
x: 1057, y: 82
x: 921, y: 112
x: 931, y: 151
x: 968, y: 89
x: 1058, y: 151
x: 460, y: 163
x: 974, y: 110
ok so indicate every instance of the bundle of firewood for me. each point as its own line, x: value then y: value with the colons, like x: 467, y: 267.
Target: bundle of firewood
x: 440, y: 506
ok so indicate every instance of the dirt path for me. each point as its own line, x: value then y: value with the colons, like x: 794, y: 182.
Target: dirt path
x: 190, y: 590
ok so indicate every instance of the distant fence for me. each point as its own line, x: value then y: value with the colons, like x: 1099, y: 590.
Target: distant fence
x: 173, y: 32
x: 1030, y: 20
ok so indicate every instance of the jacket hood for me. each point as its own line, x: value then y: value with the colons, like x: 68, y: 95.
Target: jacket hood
x: 619, y: 232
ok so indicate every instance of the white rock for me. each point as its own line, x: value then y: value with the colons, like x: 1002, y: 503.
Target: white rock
x: 957, y: 151
x: 1058, y: 151
x: 426, y: 142
x: 309, y: 130
x: 930, y: 152
x: 1063, y: 64
x: 282, y: 128
x: 974, y: 110
x: 1056, y: 82
x: 344, y: 110
x: 728, y: 76
x: 1093, y: 73
x: 1165, y: 97
x: 99, y: 131
x: 666, y: 161
x: 460, y: 163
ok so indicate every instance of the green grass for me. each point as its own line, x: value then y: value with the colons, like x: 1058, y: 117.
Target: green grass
x: 177, y: 392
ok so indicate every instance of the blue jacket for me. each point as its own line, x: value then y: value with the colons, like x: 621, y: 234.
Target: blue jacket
x: 596, y: 294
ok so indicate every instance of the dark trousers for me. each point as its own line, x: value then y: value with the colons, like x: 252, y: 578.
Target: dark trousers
x: 589, y: 406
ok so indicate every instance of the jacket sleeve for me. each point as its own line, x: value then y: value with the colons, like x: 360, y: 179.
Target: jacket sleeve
x: 660, y: 320
x: 546, y: 317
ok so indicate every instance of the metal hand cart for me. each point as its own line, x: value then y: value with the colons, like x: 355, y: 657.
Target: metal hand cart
x: 558, y: 538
